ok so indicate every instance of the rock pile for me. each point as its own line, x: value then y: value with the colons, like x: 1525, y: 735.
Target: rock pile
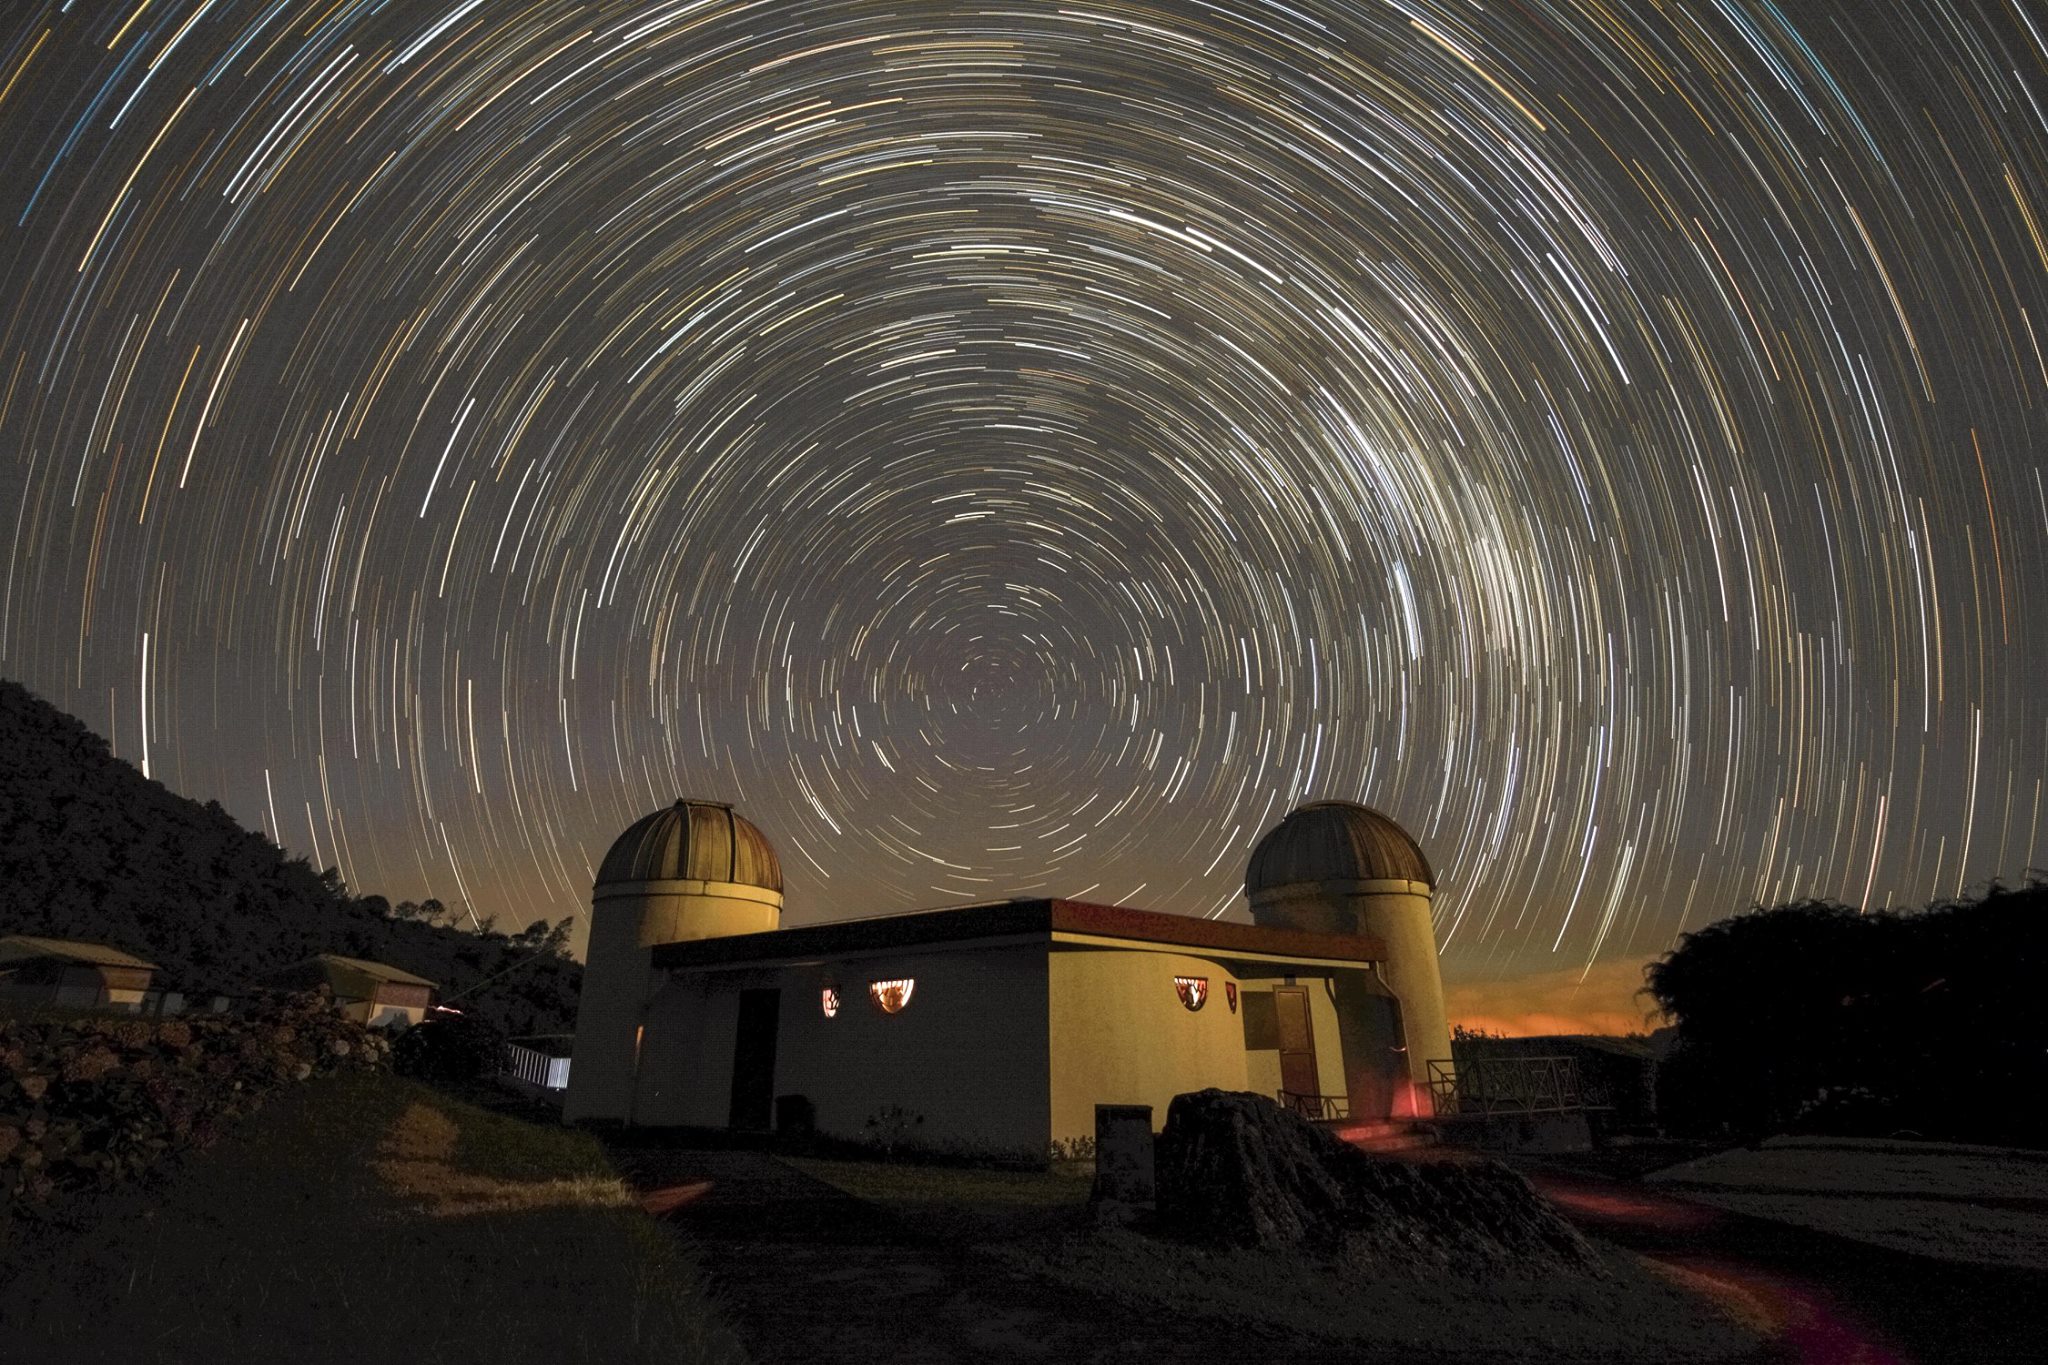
x: 1237, y: 1169
x: 92, y: 1100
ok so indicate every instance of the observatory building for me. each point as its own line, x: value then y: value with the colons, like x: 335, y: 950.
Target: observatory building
x: 998, y: 1028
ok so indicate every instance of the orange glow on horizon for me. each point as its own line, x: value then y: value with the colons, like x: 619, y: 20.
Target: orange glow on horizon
x: 1570, y: 1000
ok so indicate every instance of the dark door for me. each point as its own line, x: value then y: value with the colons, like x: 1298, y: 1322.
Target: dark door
x: 1297, y: 1041
x: 753, y: 1060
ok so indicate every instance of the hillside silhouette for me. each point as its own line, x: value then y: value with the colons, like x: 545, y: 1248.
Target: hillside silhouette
x: 91, y: 849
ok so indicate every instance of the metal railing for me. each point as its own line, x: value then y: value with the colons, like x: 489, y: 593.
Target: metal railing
x: 1505, y: 1085
x: 536, y: 1067
x: 1313, y: 1106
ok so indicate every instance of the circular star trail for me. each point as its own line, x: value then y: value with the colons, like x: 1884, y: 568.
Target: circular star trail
x: 1023, y: 449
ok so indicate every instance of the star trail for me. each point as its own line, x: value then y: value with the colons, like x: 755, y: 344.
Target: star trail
x: 1025, y: 448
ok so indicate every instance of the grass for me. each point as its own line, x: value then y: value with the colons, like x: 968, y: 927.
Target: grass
x: 1036, y: 1224
x: 365, y: 1218
x: 960, y: 1205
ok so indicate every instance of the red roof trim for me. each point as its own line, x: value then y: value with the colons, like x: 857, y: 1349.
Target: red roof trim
x: 1011, y: 919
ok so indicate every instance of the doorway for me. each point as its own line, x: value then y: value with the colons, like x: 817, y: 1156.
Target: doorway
x: 1297, y: 1041
x: 753, y: 1060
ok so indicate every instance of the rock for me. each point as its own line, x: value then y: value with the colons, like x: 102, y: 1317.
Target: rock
x: 89, y: 1065
x: 1238, y: 1169
x: 132, y: 1091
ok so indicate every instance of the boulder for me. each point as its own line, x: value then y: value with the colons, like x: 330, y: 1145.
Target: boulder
x: 1237, y: 1169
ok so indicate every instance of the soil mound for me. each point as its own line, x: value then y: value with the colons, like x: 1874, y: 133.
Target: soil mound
x: 1236, y: 1169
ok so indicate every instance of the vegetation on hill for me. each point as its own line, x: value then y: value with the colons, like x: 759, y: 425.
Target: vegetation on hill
x: 1817, y: 1016
x: 91, y: 849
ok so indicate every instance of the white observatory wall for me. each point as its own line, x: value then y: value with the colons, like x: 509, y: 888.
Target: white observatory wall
x: 627, y: 919
x: 967, y: 1055
x: 1401, y: 920
x: 1120, y: 1034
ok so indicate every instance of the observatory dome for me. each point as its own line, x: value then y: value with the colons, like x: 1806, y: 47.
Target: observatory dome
x: 700, y: 841
x: 1335, y: 841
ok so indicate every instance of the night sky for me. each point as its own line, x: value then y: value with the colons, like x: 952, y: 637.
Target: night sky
x: 1025, y: 448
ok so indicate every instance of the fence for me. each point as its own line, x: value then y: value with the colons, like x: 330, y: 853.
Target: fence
x: 536, y: 1065
x: 1505, y: 1085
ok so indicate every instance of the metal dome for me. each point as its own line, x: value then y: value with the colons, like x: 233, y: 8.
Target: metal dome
x: 701, y: 841
x: 1335, y: 841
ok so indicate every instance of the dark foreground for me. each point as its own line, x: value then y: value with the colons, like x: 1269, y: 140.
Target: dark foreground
x: 1828, y: 1299
x: 360, y: 1219
x: 933, y: 1266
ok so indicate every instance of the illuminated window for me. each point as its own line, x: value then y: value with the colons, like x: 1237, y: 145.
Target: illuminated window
x: 828, y: 1000
x: 1193, y: 990
x: 891, y: 996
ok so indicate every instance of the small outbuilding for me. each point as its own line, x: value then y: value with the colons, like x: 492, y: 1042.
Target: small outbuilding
x: 373, y: 993
x: 64, y: 973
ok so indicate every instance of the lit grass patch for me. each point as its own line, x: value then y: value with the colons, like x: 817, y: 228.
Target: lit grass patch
x: 960, y: 1204
x: 416, y: 1158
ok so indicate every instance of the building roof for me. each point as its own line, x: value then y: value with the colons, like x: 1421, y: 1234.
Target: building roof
x: 376, y: 971
x: 27, y: 947
x: 1013, y: 919
x: 692, y: 840
x: 1335, y: 841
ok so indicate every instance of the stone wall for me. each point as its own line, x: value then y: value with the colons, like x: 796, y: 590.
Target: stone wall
x: 88, y: 1101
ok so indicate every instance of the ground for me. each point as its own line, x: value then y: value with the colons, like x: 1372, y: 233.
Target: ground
x: 358, y: 1219
x: 373, y: 1218
x: 935, y: 1264
x: 1979, y: 1205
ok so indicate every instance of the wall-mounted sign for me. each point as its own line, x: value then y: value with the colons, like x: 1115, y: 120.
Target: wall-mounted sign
x: 1230, y: 995
x: 828, y: 1000
x: 891, y: 996
x: 1193, y: 990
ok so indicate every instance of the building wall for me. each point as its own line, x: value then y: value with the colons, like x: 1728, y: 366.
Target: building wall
x: 1120, y: 1035
x: 1262, y: 1065
x: 967, y: 1054
x: 618, y: 979
x: 685, y: 1059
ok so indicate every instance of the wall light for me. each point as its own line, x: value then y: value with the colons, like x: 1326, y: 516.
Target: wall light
x: 891, y: 996
x: 828, y: 1000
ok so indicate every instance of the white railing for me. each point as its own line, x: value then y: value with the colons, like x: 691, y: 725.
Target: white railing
x: 536, y: 1067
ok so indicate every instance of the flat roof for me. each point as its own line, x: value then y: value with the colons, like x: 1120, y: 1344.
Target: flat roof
x: 376, y: 971
x: 1016, y: 919
x: 27, y: 947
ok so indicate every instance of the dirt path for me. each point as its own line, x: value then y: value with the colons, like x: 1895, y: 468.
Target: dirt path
x: 1834, y: 1301
x: 807, y: 1272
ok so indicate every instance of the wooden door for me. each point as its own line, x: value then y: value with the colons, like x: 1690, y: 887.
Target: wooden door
x: 1297, y: 1041
x: 753, y: 1060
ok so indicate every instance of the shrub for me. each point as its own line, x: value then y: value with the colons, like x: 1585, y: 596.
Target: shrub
x: 449, y: 1047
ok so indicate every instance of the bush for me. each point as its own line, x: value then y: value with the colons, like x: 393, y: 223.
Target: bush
x: 450, y: 1048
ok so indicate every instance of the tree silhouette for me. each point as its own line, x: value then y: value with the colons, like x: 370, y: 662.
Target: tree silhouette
x: 1819, y: 1016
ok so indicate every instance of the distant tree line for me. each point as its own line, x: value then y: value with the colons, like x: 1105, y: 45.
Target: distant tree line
x: 1815, y: 1016
x: 91, y: 849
